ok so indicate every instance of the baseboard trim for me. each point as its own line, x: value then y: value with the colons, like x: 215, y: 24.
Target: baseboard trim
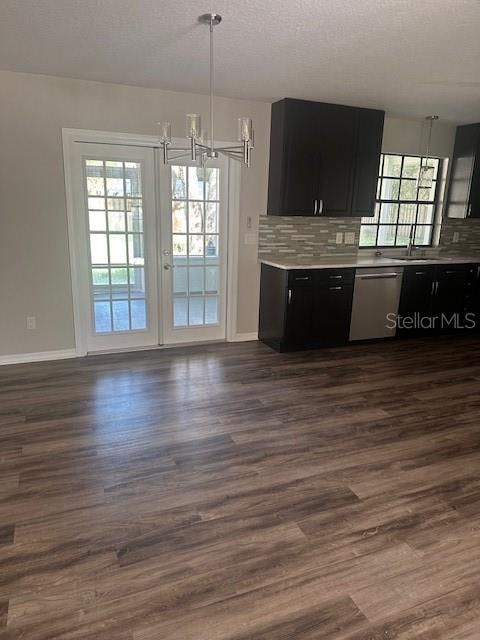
x: 245, y: 337
x: 38, y: 356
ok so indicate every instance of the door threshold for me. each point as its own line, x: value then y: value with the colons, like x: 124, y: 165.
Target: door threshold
x: 155, y: 347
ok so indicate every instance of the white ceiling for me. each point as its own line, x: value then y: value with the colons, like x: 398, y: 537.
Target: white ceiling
x: 411, y: 57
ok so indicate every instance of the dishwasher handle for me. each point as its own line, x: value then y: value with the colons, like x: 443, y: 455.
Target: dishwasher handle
x: 378, y: 276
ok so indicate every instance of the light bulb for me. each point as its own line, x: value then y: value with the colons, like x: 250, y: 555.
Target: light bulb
x: 244, y: 129
x: 165, y: 132
x: 194, y: 125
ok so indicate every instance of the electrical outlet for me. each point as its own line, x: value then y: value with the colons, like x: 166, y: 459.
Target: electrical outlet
x: 31, y: 323
x: 350, y: 237
x: 339, y: 238
x: 456, y: 236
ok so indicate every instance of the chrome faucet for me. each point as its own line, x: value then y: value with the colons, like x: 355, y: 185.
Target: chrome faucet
x: 410, y: 245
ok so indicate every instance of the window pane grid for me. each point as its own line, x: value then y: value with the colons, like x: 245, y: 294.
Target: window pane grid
x: 397, y: 200
x: 116, y: 245
x: 195, y: 240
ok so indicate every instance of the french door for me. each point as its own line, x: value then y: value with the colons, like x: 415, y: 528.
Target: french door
x: 193, y: 251
x: 115, y: 228
x: 150, y: 247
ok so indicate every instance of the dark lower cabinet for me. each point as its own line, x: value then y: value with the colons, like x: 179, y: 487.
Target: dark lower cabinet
x: 438, y: 299
x: 305, y: 308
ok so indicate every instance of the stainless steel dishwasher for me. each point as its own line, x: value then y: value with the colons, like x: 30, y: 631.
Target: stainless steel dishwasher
x: 376, y: 295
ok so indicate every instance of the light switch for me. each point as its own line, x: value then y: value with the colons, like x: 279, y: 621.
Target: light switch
x: 339, y: 238
x: 31, y: 323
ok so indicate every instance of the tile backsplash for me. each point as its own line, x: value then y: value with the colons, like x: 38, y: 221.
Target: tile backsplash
x: 307, y: 238
x: 468, y: 236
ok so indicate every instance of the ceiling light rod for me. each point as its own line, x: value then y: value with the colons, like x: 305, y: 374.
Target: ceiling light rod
x: 199, y: 150
x: 425, y: 175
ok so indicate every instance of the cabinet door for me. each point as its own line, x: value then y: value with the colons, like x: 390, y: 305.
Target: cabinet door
x: 331, y: 314
x: 337, y: 147
x: 464, y: 188
x: 298, y: 326
x: 415, y: 306
x: 367, y: 161
x: 454, y: 285
x: 301, y: 182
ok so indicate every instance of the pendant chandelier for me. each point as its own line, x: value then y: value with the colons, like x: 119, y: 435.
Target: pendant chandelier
x: 202, y: 147
x: 426, y: 173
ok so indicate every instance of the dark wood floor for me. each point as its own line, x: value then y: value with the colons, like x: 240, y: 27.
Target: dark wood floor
x: 232, y: 493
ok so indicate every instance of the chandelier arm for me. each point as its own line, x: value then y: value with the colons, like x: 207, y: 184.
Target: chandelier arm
x: 178, y: 156
x: 237, y: 148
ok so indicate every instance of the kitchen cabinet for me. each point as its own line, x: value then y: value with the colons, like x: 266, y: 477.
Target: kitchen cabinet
x: 304, y: 308
x: 463, y: 200
x: 437, y: 298
x: 324, y: 159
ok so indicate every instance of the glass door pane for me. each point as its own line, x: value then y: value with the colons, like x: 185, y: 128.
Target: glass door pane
x: 195, y: 246
x: 116, y: 244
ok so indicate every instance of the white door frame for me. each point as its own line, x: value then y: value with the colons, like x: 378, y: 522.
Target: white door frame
x: 69, y: 138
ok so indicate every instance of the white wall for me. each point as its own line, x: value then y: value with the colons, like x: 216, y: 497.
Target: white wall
x: 404, y: 135
x: 34, y: 263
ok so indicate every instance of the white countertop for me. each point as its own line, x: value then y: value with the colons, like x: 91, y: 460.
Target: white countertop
x: 358, y: 261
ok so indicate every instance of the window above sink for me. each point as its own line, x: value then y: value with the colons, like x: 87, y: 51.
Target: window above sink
x: 402, y: 202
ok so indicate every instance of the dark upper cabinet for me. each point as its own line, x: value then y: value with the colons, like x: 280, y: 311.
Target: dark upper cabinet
x: 464, y: 189
x: 367, y: 162
x: 324, y: 159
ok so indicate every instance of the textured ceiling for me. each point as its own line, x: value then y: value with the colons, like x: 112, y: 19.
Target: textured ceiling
x: 411, y: 57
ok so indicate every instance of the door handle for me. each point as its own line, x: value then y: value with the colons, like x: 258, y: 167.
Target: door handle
x: 167, y: 267
x: 378, y: 276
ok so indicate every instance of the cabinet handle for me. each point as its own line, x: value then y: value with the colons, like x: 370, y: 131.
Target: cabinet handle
x: 335, y: 288
x: 320, y: 210
x: 434, y: 288
x: 289, y: 296
x: 469, y: 210
x: 302, y: 278
x: 378, y: 276
x: 449, y: 273
x: 335, y: 277
x: 419, y: 273
x: 315, y: 207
